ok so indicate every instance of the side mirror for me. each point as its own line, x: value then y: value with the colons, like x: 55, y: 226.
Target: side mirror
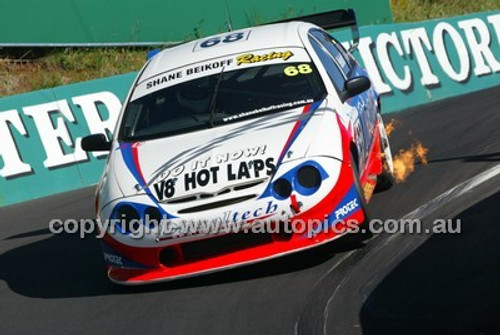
x: 356, y: 86
x: 96, y: 142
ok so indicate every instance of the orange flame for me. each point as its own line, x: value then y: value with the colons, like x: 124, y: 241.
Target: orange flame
x: 404, y: 161
x: 422, y: 153
x: 390, y: 127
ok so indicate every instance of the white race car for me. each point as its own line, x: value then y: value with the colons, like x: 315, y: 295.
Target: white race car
x: 238, y: 148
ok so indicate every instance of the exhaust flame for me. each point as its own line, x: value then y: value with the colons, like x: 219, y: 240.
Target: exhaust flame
x: 404, y: 161
x: 390, y: 127
x: 422, y: 153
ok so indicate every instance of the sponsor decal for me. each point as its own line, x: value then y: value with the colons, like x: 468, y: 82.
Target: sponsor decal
x: 170, y: 77
x: 346, y: 209
x: 209, y: 66
x: 228, y: 221
x: 113, y: 259
x: 226, y: 63
x: 349, y: 204
x: 267, y: 109
x: 164, y: 79
x: 222, y: 168
x: 253, y: 58
x: 258, y: 212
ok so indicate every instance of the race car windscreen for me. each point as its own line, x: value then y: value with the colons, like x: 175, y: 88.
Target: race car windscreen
x: 221, y: 99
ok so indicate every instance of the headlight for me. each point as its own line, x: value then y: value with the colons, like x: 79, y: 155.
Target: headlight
x: 309, y: 177
x: 129, y: 219
x: 282, y: 188
x: 152, y: 216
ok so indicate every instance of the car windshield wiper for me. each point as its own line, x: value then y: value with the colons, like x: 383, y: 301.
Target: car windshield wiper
x: 213, y: 100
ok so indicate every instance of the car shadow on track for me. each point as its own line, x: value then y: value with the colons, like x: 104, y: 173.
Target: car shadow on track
x: 449, y: 285
x: 64, y: 266
x: 488, y: 157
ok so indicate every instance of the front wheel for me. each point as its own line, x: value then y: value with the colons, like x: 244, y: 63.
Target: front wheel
x: 362, y: 233
x: 359, y: 189
x: 385, y: 180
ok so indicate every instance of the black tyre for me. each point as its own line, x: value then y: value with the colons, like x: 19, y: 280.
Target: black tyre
x: 357, y: 184
x: 363, y: 233
x: 385, y: 180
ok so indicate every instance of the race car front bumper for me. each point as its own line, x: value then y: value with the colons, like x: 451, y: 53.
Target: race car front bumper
x: 331, y: 218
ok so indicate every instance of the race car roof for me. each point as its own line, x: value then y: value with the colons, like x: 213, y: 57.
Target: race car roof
x: 254, y: 38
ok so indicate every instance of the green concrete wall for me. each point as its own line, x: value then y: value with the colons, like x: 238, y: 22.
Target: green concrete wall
x: 125, y: 21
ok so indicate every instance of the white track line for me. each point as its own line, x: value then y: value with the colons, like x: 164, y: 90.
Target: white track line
x: 453, y: 193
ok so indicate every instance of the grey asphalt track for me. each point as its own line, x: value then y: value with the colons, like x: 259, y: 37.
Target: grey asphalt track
x: 417, y: 284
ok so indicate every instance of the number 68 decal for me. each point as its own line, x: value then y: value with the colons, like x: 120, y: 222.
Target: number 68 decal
x: 292, y: 71
x: 221, y: 40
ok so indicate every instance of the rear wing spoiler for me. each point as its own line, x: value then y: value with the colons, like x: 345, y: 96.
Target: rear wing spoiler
x: 332, y: 20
